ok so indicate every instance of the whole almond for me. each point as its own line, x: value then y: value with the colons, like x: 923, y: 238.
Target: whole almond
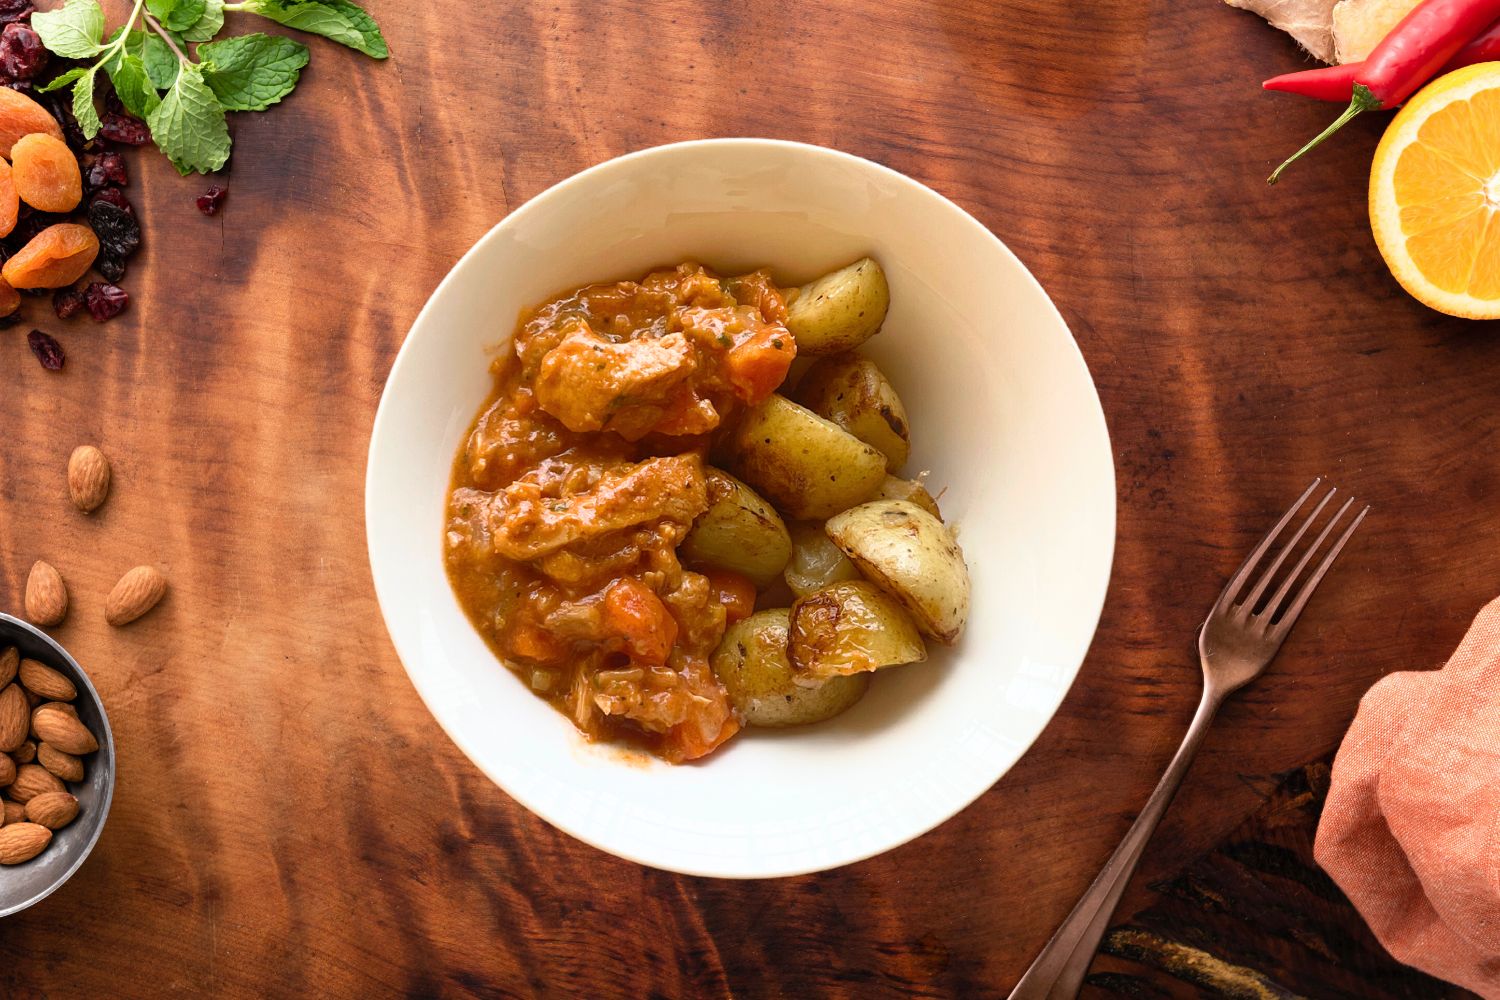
x: 14, y: 712
x: 53, y: 723
x: 46, y: 595
x: 14, y: 812
x: 22, y: 841
x: 38, y: 678
x: 25, y: 753
x: 7, y: 769
x: 54, y: 810
x: 64, y: 765
x: 137, y: 592
x: 10, y: 662
x: 88, y: 477
x: 33, y: 780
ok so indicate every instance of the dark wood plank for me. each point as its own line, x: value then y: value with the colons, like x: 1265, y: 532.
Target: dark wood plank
x: 290, y: 820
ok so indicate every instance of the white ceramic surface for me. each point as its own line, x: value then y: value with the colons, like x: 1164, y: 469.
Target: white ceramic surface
x: 1003, y: 413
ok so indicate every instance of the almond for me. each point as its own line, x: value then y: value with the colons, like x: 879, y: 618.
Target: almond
x: 54, y: 810
x: 65, y: 765
x: 38, y: 678
x: 14, y: 711
x: 10, y: 661
x: 22, y: 841
x: 88, y: 477
x: 7, y: 769
x: 53, y: 723
x: 25, y: 753
x: 33, y: 780
x: 137, y: 592
x: 14, y: 812
x: 46, y: 595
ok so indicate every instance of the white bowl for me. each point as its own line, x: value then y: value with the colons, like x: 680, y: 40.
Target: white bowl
x: 1003, y: 413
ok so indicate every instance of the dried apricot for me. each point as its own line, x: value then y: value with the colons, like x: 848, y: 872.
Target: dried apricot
x: 20, y: 115
x: 58, y: 255
x: 45, y: 173
x: 10, y: 299
x: 10, y: 203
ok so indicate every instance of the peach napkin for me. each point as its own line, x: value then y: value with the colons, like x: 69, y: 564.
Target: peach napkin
x: 1411, y: 828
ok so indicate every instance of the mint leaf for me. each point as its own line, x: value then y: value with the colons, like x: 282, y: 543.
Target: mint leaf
x: 175, y: 15
x: 65, y: 79
x: 73, y: 30
x: 252, y: 72
x: 83, y: 104
x: 156, y: 55
x: 189, y: 124
x: 132, y: 85
x: 310, y: 16
x: 374, y: 42
x: 208, y: 25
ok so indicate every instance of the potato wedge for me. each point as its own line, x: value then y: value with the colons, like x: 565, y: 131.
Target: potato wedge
x: 851, y: 628
x: 853, y: 393
x: 816, y: 561
x: 752, y: 665
x: 911, y: 556
x: 839, y: 311
x: 808, y: 467
x: 740, y: 531
x: 909, y: 489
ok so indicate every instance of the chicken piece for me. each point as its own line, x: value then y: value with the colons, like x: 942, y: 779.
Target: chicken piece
x: 526, y: 523
x: 591, y: 384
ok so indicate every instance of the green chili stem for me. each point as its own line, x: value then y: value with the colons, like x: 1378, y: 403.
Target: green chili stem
x: 1364, y: 100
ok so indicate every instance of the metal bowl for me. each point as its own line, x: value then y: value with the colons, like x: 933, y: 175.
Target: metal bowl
x: 32, y: 881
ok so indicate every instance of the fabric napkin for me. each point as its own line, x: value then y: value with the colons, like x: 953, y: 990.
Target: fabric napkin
x: 1411, y: 828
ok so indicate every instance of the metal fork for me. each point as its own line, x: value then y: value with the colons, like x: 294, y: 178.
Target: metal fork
x: 1235, y: 644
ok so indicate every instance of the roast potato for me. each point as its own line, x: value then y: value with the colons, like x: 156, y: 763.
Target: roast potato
x: 839, y: 311
x: 850, y: 628
x: 752, y: 665
x: 855, y: 394
x: 912, y: 557
x: 816, y: 561
x: 895, y: 488
x: 740, y: 531
x: 808, y: 467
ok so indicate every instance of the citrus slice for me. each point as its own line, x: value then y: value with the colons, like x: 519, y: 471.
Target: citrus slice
x: 1435, y: 194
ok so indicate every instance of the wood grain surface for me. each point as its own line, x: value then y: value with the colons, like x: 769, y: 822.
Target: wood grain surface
x: 290, y: 821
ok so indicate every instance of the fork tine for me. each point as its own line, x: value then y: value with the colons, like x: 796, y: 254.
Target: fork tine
x: 1290, y: 617
x: 1248, y: 606
x: 1232, y: 588
x: 1291, y: 578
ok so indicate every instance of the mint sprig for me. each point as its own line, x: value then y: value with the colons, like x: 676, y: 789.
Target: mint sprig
x: 166, y: 69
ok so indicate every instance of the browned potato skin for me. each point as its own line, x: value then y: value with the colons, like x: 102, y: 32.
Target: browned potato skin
x: 911, y: 556
x: 912, y: 490
x: 840, y: 310
x: 855, y: 394
x: 752, y: 664
x: 808, y: 467
x: 740, y: 531
x: 851, y: 627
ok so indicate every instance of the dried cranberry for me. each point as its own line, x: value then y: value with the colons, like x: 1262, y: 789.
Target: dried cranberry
x: 209, y: 202
x: 66, y: 302
x: 121, y: 127
x: 15, y: 10
x: 30, y: 223
x: 20, y: 86
x: 107, y: 169
x: 22, y: 54
x: 61, y: 106
x: 48, y: 351
x: 115, y: 197
x: 105, y: 301
x: 116, y: 228
x: 110, y: 264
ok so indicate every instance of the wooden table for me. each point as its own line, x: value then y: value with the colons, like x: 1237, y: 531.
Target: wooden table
x: 289, y: 820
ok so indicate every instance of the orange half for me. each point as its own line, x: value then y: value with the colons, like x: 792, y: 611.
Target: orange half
x: 1435, y: 194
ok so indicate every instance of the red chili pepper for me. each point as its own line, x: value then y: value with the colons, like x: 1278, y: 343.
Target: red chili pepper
x: 1336, y: 83
x: 1406, y: 58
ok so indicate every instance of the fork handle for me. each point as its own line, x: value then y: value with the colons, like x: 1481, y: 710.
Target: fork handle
x: 1057, y: 973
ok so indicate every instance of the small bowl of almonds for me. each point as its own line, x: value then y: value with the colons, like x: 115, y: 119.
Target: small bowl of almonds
x: 57, y: 765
